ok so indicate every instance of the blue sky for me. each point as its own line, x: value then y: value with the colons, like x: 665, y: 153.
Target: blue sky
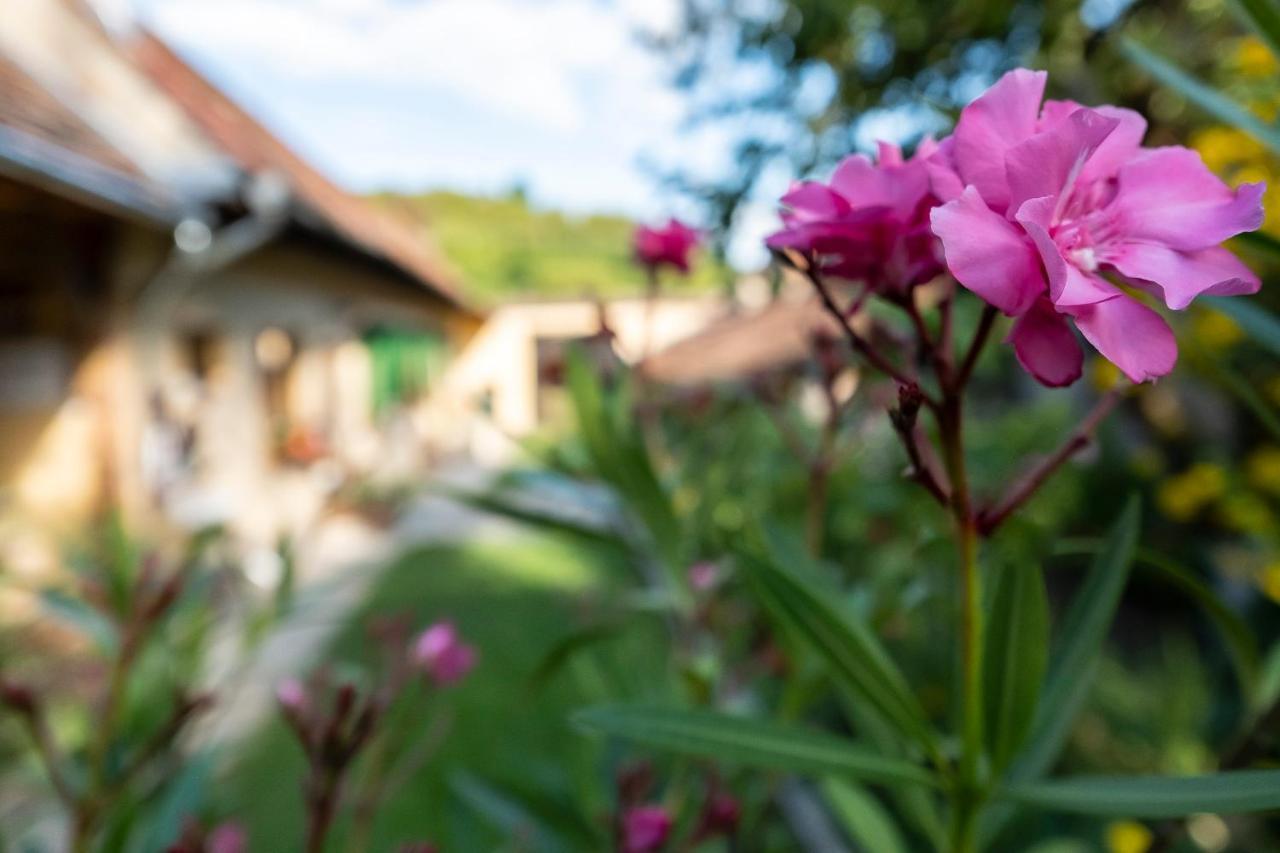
x: 476, y: 95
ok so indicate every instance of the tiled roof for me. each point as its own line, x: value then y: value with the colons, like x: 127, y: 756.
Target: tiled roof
x: 256, y: 149
x: 25, y: 106
x: 743, y: 345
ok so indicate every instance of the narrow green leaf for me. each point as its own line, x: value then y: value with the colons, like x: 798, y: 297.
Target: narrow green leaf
x: 1244, y: 391
x: 754, y: 743
x: 1233, y: 792
x: 618, y: 451
x: 1268, y: 690
x: 1202, y: 95
x: 83, y: 617
x: 504, y: 813
x: 1256, y: 321
x: 1083, y: 631
x: 848, y: 646
x: 1258, y: 242
x: 1236, y: 633
x: 1017, y: 649
x: 864, y: 818
x: 1264, y: 16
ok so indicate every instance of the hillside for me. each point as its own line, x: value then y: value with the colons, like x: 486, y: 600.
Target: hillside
x: 505, y: 249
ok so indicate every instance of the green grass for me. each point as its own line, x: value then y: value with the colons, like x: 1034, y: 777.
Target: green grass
x: 514, y: 601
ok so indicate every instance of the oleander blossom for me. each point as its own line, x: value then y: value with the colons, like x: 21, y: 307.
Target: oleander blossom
x: 669, y: 246
x: 645, y: 829
x: 1045, y: 208
x: 440, y: 653
x: 869, y: 223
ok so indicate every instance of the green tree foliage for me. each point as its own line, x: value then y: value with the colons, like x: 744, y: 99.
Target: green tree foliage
x: 504, y: 248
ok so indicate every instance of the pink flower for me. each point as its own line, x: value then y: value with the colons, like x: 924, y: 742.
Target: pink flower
x: 292, y: 696
x: 645, y: 829
x: 1043, y: 202
x: 440, y: 653
x: 669, y: 245
x: 870, y: 223
x: 704, y: 576
x: 227, y: 837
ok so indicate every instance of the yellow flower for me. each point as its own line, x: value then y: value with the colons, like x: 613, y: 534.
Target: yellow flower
x: 1262, y: 467
x: 1216, y: 330
x: 1269, y: 581
x: 1254, y: 59
x: 1128, y: 836
x: 1104, y: 374
x: 1181, y: 497
x: 1246, y: 513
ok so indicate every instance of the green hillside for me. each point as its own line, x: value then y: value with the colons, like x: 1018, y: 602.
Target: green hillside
x: 505, y: 249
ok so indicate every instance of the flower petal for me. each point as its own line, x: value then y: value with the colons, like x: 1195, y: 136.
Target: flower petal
x: 1168, y: 195
x: 809, y: 201
x: 1068, y: 285
x: 1130, y: 335
x: 1046, y: 347
x: 988, y: 254
x: 898, y: 186
x: 1182, y: 276
x: 1049, y: 163
x: 996, y: 121
x: 944, y: 181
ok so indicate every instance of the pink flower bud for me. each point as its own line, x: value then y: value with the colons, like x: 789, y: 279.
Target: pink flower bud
x: 229, y: 837
x: 292, y: 696
x: 645, y: 829
x: 669, y: 245
x: 722, y: 814
x: 704, y: 576
x: 440, y: 653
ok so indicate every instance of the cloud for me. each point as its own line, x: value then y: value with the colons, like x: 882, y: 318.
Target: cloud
x: 539, y: 60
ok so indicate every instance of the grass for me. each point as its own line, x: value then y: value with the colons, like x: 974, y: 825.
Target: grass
x: 515, y: 601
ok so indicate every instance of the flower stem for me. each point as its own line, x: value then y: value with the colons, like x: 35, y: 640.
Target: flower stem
x: 968, y: 794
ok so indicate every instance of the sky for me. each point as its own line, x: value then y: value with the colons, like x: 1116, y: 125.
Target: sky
x: 556, y: 96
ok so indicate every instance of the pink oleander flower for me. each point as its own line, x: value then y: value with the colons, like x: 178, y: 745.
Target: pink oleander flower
x: 229, y: 837
x: 704, y: 576
x: 440, y: 653
x: 645, y: 829
x: 292, y: 696
x: 1045, y: 205
x: 669, y: 245
x: 870, y: 223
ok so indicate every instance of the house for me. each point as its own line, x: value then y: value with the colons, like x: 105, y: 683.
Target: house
x: 506, y: 383
x: 198, y: 327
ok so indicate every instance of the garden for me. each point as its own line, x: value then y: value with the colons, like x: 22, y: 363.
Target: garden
x: 991, y: 564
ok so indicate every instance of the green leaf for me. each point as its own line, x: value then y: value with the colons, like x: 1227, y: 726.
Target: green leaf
x: 1017, y: 649
x: 754, y: 743
x: 1235, y: 631
x: 1202, y: 95
x: 617, y: 450
x: 1268, y: 689
x: 1264, y: 16
x: 864, y: 818
x: 849, y: 648
x: 1258, y: 242
x: 1233, y: 792
x: 1257, y: 322
x: 504, y: 813
x: 1243, y: 390
x: 83, y: 617
x: 1083, y: 631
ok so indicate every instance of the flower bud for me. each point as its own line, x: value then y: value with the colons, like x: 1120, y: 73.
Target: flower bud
x: 704, y: 576
x: 645, y: 829
x: 722, y: 814
x: 229, y: 837
x: 440, y: 653
x: 292, y: 696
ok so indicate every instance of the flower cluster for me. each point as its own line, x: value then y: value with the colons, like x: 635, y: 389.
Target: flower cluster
x: 870, y: 223
x: 1051, y: 212
x: 668, y: 246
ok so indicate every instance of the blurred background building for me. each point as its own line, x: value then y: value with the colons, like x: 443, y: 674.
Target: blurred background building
x: 199, y: 327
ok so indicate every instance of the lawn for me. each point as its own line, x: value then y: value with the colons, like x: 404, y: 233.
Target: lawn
x: 515, y: 600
